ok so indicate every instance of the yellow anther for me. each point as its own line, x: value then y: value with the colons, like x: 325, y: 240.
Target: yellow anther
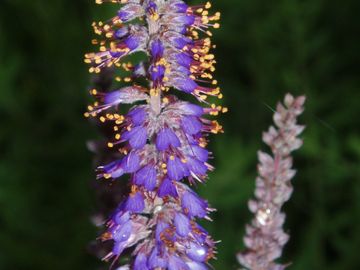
x: 110, y: 145
x: 107, y: 175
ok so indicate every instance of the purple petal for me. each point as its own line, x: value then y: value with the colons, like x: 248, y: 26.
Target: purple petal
x: 191, y: 124
x: 121, y: 217
x: 140, y: 262
x: 135, y: 203
x: 166, y: 138
x: 122, y: 232
x: 176, y: 263
x: 184, y: 19
x: 131, y: 162
x: 197, y: 266
x: 123, y: 15
x: 196, y: 166
x: 155, y: 261
x: 185, y: 85
x: 118, y: 248
x: 200, y: 234
x: 176, y: 169
x: 192, y: 109
x: 146, y: 177
x: 183, y: 59
x: 160, y: 227
x: 157, y: 49
x: 137, y: 137
x: 193, y: 205
x: 182, y: 224
x: 157, y: 72
x: 132, y: 42
x: 181, y: 42
x: 197, y: 252
x: 201, y: 153
x: 115, y: 169
x: 167, y: 188
x: 138, y: 140
x: 121, y: 32
x: 181, y: 7
x: 137, y: 116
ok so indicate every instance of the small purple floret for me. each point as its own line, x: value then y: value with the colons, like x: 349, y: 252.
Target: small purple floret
x: 167, y: 138
x: 195, y: 206
x: 135, y: 203
x: 182, y: 224
x: 176, y: 169
x: 191, y: 125
x: 167, y: 188
x: 146, y: 177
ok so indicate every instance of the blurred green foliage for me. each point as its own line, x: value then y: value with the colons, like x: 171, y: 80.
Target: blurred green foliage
x: 264, y: 49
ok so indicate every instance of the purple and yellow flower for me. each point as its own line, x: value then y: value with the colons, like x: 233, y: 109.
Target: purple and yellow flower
x: 160, y: 142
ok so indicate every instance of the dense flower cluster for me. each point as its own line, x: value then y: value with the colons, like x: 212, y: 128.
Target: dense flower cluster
x: 265, y: 237
x: 162, y: 140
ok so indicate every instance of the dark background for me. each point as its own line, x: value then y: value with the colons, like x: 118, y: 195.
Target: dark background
x: 265, y: 49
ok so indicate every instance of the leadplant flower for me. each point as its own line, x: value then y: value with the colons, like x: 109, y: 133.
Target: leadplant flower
x: 161, y: 140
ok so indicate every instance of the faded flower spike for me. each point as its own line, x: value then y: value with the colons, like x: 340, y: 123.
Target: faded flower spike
x: 160, y: 141
x: 265, y: 236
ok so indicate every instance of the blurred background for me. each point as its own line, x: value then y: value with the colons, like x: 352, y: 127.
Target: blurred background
x: 264, y: 49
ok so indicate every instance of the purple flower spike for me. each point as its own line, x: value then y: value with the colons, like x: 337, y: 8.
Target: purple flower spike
x: 193, y: 205
x: 159, y: 141
x: 135, y: 203
x: 167, y: 138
